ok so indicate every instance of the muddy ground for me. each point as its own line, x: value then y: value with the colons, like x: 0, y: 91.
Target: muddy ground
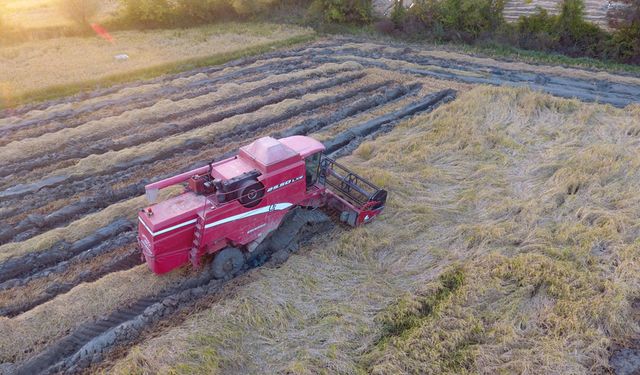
x: 73, y: 171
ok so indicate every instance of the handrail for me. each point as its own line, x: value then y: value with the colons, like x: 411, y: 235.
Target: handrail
x: 349, y: 183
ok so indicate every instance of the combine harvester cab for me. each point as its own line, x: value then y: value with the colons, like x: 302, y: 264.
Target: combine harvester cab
x: 229, y: 207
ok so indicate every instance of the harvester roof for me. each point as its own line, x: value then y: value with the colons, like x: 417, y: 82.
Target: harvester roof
x: 270, y: 154
x: 267, y: 151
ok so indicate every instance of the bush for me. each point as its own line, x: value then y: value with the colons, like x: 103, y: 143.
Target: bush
x: 625, y: 42
x: 577, y: 37
x: 567, y: 32
x: 148, y: 13
x: 202, y: 11
x: 385, y: 26
x: 246, y: 8
x: 458, y: 19
x: 398, y: 14
x: 343, y: 11
x: 536, y: 31
x: 79, y: 11
x: 157, y: 13
x: 471, y: 18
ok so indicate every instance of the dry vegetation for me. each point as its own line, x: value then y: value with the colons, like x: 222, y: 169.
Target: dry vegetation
x: 32, y: 14
x: 509, y: 245
x: 55, y: 318
x: 43, y: 64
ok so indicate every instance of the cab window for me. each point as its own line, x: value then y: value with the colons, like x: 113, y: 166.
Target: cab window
x: 312, y: 163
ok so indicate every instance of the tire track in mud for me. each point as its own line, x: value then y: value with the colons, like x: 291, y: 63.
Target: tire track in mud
x: 91, y: 342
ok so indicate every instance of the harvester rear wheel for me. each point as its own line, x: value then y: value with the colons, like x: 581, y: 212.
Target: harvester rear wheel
x: 227, y: 263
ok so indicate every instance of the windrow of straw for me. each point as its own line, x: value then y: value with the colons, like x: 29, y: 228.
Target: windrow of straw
x: 502, y: 64
x: 79, y: 228
x: 45, y: 143
x: 207, y: 133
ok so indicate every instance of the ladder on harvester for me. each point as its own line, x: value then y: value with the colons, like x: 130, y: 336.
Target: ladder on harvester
x: 198, y: 235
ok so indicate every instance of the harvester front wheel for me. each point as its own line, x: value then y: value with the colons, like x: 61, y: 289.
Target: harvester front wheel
x: 227, y: 263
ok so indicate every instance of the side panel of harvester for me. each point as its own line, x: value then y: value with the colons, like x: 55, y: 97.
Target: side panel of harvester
x: 166, y: 249
x: 235, y: 225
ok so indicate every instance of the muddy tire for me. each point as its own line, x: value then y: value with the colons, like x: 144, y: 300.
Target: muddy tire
x: 227, y: 263
x: 251, y: 193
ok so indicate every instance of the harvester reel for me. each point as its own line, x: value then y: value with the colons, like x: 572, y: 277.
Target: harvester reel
x: 251, y: 193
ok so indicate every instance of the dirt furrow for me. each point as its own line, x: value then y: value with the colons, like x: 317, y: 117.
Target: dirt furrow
x: 161, y: 111
x: 615, y: 93
x: 112, y: 161
x: 115, y: 254
x: 29, y: 264
x: 38, y: 127
x: 168, y: 124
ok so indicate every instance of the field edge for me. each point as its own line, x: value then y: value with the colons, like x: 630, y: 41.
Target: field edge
x: 58, y: 91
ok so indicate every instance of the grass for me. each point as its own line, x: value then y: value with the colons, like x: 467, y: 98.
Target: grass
x: 66, y: 66
x: 538, y: 57
x: 509, y: 244
x: 34, y: 14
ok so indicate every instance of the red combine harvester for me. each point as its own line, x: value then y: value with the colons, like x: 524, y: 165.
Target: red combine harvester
x: 229, y: 207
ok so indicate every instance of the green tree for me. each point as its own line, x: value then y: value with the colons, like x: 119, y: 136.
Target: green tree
x: 399, y: 13
x: 148, y: 13
x: 344, y: 11
x: 575, y: 35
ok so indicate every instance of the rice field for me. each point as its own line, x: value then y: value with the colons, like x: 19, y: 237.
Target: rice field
x: 509, y: 243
